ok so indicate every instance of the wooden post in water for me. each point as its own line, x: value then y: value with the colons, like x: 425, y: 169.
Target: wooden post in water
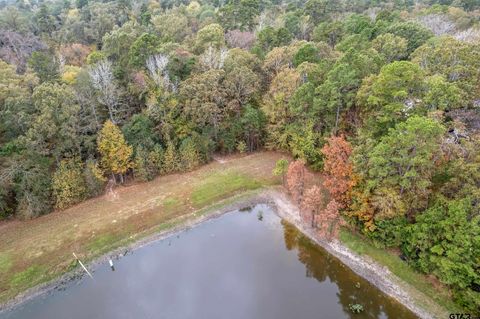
x: 81, y: 264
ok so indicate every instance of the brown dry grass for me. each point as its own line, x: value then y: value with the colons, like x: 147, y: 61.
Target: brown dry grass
x: 38, y: 250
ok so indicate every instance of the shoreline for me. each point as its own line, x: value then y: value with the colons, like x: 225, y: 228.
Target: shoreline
x: 377, y: 275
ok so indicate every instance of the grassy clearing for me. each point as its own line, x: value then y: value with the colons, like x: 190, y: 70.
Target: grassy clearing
x: 41, y: 249
x: 170, y: 203
x: 403, y: 271
x: 5, y: 262
x: 102, y: 241
x: 31, y: 275
x: 215, y: 187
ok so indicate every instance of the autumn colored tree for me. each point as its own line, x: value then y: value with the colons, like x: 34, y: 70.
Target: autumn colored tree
x: 338, y: 169
x: 68, y: 184
x: 329, y: 220
x: 116, y: 153
x: 312, y: 204
x: 296, y: 179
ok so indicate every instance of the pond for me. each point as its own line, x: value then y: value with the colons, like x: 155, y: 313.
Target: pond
x: 244, y: 264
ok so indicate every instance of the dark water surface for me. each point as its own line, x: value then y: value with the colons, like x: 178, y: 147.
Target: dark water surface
x: 245, y: 265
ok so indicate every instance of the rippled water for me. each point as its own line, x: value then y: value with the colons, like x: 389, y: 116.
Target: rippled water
x: 246, y: 264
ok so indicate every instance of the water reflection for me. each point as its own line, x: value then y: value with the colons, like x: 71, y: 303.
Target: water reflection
x: 352, y: 288
x: 236, y: 266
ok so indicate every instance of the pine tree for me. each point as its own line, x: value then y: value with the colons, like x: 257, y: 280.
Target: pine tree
x: 94, y: 178
x: 170, y: 160
x: 140, y: 170
x: 281, y: 167
x: 154, y: 161
x: 189, y: 155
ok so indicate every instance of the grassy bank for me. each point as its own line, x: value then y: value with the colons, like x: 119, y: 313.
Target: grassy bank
x: 421, y: 283
x: 36, y: 251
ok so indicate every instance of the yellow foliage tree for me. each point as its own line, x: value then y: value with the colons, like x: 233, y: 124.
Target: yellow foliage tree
x: 116, y: 153
x: 68, y: 184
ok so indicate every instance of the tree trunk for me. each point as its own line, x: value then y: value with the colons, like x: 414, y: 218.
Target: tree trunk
x: 336, y: 120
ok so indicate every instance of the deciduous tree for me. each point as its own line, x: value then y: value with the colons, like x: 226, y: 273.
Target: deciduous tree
x: 68, y: 184
x: 312, y: 205
x: 296, y: 180
x: 338, y: 169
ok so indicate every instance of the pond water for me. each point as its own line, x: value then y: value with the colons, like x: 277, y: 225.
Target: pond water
x: 245, y: 264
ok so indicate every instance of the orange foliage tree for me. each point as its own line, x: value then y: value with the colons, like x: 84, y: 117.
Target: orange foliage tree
x: 339, y: 181
x: 75, y: 53
x: 328, y: 222
x: 312, y: 204
x: 338, y: 169
x: 296, y: 179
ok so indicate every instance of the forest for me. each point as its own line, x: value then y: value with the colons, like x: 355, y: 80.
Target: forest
x: 381, y: 97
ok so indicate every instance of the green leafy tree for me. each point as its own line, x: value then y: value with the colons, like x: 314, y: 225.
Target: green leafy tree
x: 239, y: 14
x: 457, y: 61
x: 307, y: 53
x: 336, y: 95
x: 392, y: 95
x: 171, y: 26
x: 94, y: 179
x: 44, y: 66
x: 253, y: 122
x: 189, y: 155
x: 414, y: 33
x: 54, y: 128
x: 444, y: 241
x: 140, y: 162
x: 33, y: 186
x: 318, y: 10
x: 139, y: 131
x: 441, y: 95
x: 329, y: 32
x: 44, y: 20
x: 281, y: 168
x: 170, y: 159
x: 391, y: 47
x: 204, y: 100
x: 117, y: 43
x: 304, y: 143
x: 146, y: 45
x: 276, y: 108
x: 210, y: 35
x: 398, y: 170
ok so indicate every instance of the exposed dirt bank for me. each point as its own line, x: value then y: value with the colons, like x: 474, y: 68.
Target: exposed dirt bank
x: 376, y: 274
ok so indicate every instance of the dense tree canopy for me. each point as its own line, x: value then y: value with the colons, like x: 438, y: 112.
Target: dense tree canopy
x: 381, y: 96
